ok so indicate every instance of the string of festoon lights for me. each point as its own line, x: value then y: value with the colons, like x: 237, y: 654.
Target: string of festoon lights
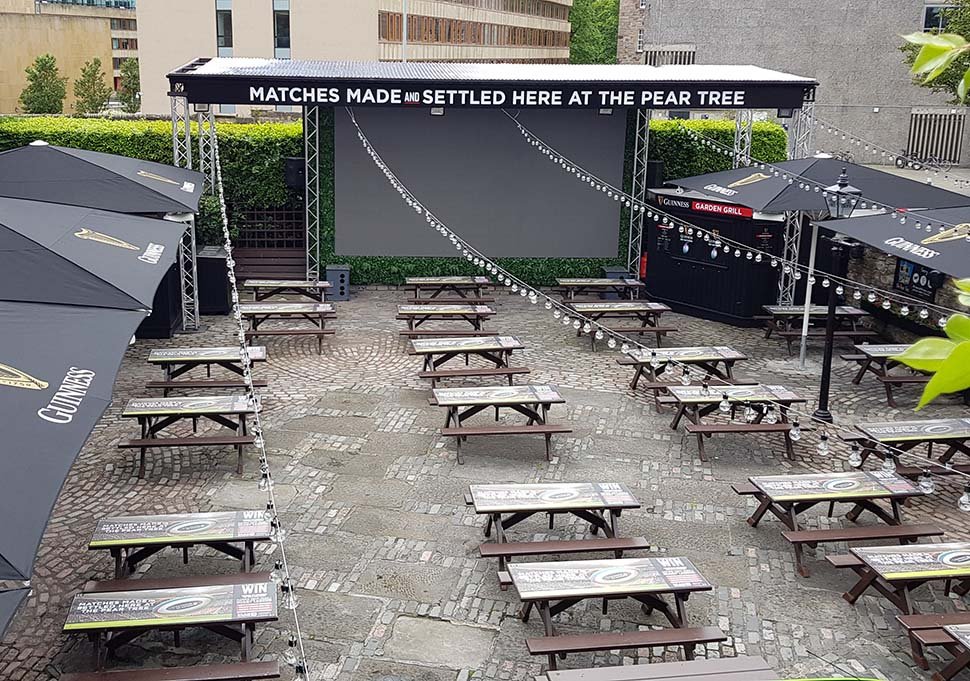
x: 904, y: 305
x: 878, y: 152
x: 570, y: 317
x: 295, y: 654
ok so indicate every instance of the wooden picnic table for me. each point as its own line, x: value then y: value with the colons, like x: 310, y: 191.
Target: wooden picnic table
x: 645, y: 313
x: 625, y: 288
x: 132, y: 539
x: 416, y: 315
x: 716, y: 361
x: 532, y: 401
x: 437, y: 351
x: 436, y: 286
x: 232, y: 609
x: 553, y: 587
x: 960, y: 633
x: 741, y: 668
x: 178, y: 361
x: 786, y: 321
x: 315, y: 313
x: 877, y: 359
x: 155, y: 414
x: 895, y: 571
x: 267, y: 288
x: 952, y: 433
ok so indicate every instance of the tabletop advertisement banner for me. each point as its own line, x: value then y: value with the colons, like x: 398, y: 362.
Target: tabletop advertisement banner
x: 433, y: 345
x: 161, y: 529
x: 918, y: 561
x: 856, y: 484
x: 542, y: 496
x: 148, y: 406
x: 930, y: 429
x: 567, y: 579
x: 696, y: 354
x: 284, y: 308
x: 515, y: 394
x: 158, y: 356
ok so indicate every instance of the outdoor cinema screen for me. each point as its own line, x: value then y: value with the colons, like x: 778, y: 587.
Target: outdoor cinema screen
x: 478, y: 174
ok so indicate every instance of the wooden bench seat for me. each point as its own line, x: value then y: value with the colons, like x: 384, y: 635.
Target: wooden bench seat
x: 270, y: 331
x: 444, y: 333
x: 745, y: 488
x: 166, y: 386
x: 905, y: 378
x: 542, y: 548
x: 188, y: 582
x: 237, y: 671
x: 547, y: 430
x: 902, y: 533
x: 659, y: 388
x: 844, y: 560
x: 927, y: 631
x: 237, y: 441
x: 687, y: 638
x: 658, y: 331
x: 848, y: 357
x: 438, y: 374
x: 702, y: 430
x: 913, y: 472
x: 819, y: 332
x: 481, y: 300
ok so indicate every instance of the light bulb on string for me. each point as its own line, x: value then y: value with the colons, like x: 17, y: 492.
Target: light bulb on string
x: 826, y: 283
x: 548, y: 304
x: 599, y: 334
x: 924, y: 313
x: 839, y: 290
x: 855, y: 456
x: 566, y: 321
x: 750, y: 414
x: 857, y: 295
x: 889, y: 463
x: 625, y: 348
x: 823, y: 444
x: 886, y: 304
x: 926, y: 483
x: 577, y: 324
x: 265, y: 483
x: 270, y: 512
x: 964, y: 503
x: 724, y: 406
x: 587, y: 327
x: 611, y: 343
x: 277, y: 574
x: 654, y: 359
x: 771, y: 416
x: 796, y: 433
x: 289, y: 601
x: 871, y: 296
x: 290, y: 656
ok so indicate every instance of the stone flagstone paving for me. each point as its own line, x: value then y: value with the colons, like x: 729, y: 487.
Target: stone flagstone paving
x: 385, y: 551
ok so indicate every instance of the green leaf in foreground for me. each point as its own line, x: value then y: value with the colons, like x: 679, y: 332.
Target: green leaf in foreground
x: 949, y: 40
x: 953, y: 376
x: 958, y: 327
x: 926, y: 354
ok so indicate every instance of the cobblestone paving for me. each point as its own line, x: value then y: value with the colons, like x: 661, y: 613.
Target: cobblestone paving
x: 386, y: 551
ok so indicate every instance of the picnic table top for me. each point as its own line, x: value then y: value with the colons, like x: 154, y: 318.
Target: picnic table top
x: 225, y: 603
x: 286, y: 283
x: 960, y: 633
x: 694, y: 394
x: 881, y: 350
x: 917, y: 561
x: 687, y: 354
x: 590, y: 282
x: 257, y: 353
x: 553, y: 495
x: 140, y: 530
x: 593, y: 578
x: 429, y: 346
x: 512, y: 394
x: 814, y: 310
x: 285, y: 308
x: 447, y: 281
x: 443, y: 309
x: 620, y: 306
x: 921, y: 430
x: 162, y: 406
x: 823, y: 486
x: 741, y: 668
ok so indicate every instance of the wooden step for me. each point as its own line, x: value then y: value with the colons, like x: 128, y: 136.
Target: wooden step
x: 236, y: 671
x: 622, y: 640
x: 540, y: 548
x: 902, y: 532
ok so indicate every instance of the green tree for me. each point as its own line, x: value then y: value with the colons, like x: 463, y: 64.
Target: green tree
x: 45, y: 89
x: 957, y: 21
x: 90, y: 90
x: 130, y: 91
x: 594, y: 29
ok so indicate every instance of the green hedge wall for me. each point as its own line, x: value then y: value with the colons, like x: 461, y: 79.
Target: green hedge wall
x: 252, y: 165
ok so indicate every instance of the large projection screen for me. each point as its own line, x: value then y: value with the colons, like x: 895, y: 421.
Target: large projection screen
x: 478, y: 174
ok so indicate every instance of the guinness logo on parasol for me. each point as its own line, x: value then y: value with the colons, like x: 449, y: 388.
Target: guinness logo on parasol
x: 750, y: 179
x: 91, y: 235
x: 959, y: 232
x: 15, y: 378
x: 160, y: 178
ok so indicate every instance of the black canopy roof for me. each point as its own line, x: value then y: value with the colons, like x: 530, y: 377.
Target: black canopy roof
x: 66, y: 255
x: 244, y: 80
x: 763, y: 191
x: 940, y: 242
x: 10, y: 600
x: 88, y: 178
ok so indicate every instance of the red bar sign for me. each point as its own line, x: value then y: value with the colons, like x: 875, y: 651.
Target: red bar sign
x: 721, y: 209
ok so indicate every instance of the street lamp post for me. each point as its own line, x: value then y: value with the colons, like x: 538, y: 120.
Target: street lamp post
x: 841, y: 199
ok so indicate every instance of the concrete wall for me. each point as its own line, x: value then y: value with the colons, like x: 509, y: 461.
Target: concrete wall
x: 73, y: 40
x: 850, y: 46
x: 334, y: 29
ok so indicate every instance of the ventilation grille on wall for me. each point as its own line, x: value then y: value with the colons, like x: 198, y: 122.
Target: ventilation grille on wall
x: 666, y: 55
x: 936, y: 133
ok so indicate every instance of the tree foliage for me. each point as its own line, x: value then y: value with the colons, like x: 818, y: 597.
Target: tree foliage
x: 957, y: 23
x: 45, y: 89
x: 130, y: 92
x: 91, y: 93
x: 594, y: 28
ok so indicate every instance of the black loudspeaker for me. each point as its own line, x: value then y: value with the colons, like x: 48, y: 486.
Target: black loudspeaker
x: 655, y: 174
x: 294, y: 169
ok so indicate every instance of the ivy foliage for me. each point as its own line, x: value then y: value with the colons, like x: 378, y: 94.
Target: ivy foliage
x: 253, y: 177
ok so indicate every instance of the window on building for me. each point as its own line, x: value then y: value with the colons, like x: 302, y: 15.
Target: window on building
x: 224, y: 27
x: 281, y: 29
x: 124, y: 25
x: 640, y: 40
x: 124, y: 43
x: 934, y: 17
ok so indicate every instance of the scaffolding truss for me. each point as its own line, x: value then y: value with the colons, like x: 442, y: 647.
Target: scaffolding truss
x: 638, y: 189
x: 743, y: 128
x: 311, y: 150
x: 801, y: 134
x: 181, y: 128
x: 187, y: 277
x: 792, y: 240
x: 207, y: 134
x: 182, y: 158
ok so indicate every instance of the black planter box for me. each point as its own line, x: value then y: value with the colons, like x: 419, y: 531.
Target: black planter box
x: 166, y: 316
x: 213, y: 281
